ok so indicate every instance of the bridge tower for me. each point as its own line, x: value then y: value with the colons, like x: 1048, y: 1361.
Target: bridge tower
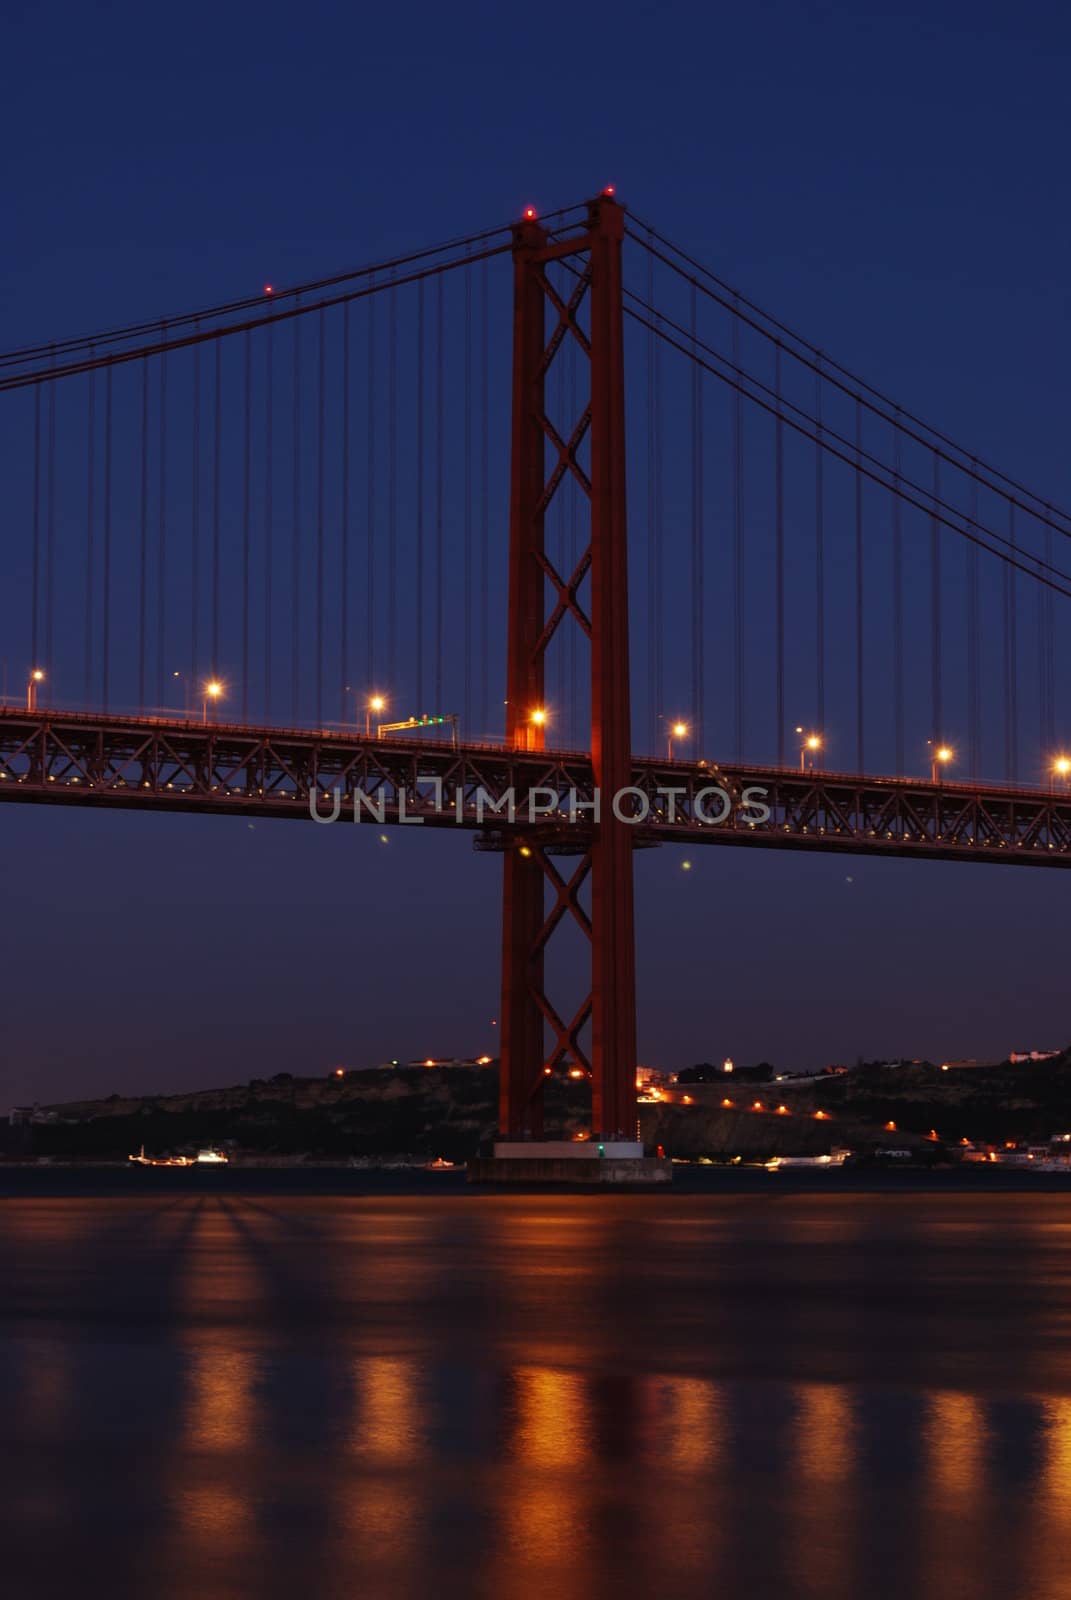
x: 599, y: 849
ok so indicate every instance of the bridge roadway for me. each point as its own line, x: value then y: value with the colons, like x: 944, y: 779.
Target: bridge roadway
x: 171, y: 764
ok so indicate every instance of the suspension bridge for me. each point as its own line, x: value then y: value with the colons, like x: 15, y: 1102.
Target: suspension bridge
x: 359, y: 549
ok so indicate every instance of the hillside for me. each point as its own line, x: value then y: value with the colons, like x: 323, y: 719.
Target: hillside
x: 451, y: 1110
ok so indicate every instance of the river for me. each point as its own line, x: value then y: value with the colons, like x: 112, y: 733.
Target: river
x: 237, y: 1391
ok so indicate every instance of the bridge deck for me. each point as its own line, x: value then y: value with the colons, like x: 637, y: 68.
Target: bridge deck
x: 169, y: 764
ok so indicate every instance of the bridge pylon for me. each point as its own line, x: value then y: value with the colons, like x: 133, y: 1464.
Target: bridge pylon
x: 600, y: 848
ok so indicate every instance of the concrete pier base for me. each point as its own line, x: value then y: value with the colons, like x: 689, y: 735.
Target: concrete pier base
x: 609, y: 1163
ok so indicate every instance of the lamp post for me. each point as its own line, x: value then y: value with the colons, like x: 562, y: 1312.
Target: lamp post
x: 536, y: 723
x: 376, y: 704
x: 212, y: 691
x: 811, y: 744
x: 36, y: 677
x: 940, y: 756
x: 1061, y: 768
x: 677, y: 730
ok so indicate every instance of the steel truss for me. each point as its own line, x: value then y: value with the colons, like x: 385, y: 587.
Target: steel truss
x: 71, y: 758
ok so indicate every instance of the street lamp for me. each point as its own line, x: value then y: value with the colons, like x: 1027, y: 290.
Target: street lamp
x: 810, y: 746
x: 376, y: 704
x: 941, y: 755
x: 677, y: 730
x: 1061, y: 768
x: 212, y: 691
x: 36, y: 677
x: 536, y: 723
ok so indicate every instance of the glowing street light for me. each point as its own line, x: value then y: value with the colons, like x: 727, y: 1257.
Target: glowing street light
x: 941, y: 755
x: 809, y: 748
x: 377, y: 704
x: 537, y: 721
x: 1061, y: 768
x: 36, y: 677
x: 677, y: 730
x: 213, y: 689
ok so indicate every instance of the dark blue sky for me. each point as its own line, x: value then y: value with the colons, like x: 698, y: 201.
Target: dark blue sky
x: 890, y: 181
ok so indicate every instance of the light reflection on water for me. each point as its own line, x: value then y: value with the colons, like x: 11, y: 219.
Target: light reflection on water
x: 393, y: 1395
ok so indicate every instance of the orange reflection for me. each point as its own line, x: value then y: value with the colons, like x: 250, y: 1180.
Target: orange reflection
x: 220, y: 1402
x: 691, y: 1422
x: 825, y: 1420
x: 389, y: 1419
x: 554, y: 1422
x: 1056, y: 1472
x: 956, y: 1433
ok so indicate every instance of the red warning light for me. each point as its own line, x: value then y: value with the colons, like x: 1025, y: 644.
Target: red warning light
x: 609, y: 189
x: 268, y: 289
x: 529, y: 213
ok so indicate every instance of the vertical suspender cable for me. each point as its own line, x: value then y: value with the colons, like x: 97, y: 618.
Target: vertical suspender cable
x: 485, y: 500
x: 321, y: 430
x: 439, y: 489
x: 935, y: 602
x: 420, y: 358
x: 860, y: 686
x: 370, y: 487
x: 467, y: 479
x: 217, y: 430
x: 654, y: 709
x: 974, y: 696
x: 143, y: 534
x: 819, y: 552
x: 161, y: 531
x: 698, y: 674
x: 655, y: 554
x: 91, y: 429
x: 106, y: 611
x: 1050, y: 648
x: 392, y: 484
x: 657, y: 609
x: 35, y: 584
x: 738, y: 551
x: 779, y: 540
x: 1011, y: 679
x: 1046, y: 682
x: 247, y: 515
x: 50, y: 536
x: 898, y: 605
x: 269, y: 511
x: 295, y: 534
x: 195, y: 522
x: 344, y: 532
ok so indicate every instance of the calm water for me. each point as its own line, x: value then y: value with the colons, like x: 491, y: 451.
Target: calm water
x: 242, y: 1394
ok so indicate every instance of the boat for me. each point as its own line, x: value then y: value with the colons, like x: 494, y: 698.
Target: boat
x: 836, y: 1158
x: 142, y: 1160
x: 438, y: 1165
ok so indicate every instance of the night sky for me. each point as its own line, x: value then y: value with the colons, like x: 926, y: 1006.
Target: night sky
x: 891, y: 182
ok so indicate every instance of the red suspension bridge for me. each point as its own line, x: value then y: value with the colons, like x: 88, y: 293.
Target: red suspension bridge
x: 257, y: 559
